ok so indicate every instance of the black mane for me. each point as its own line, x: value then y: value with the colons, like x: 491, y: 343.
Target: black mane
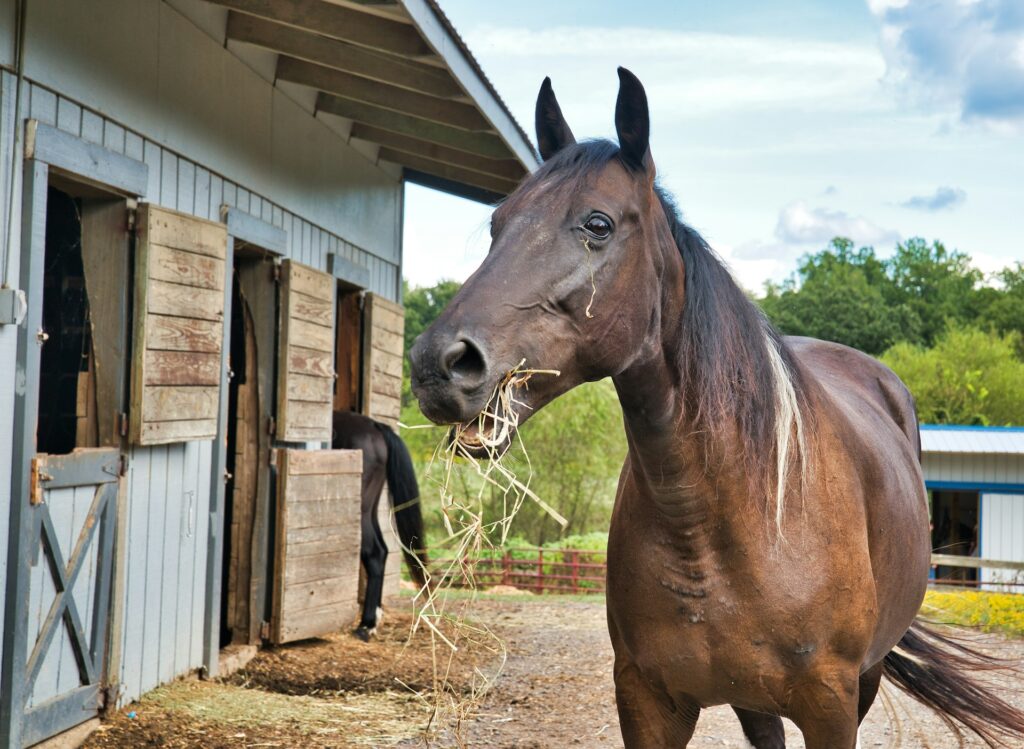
x: 724, y: 360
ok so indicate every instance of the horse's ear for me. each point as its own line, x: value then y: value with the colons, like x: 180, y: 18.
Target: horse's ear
x: 633, y: 122
x: 553, y: 134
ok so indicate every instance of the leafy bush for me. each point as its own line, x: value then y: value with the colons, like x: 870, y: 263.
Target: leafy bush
x: 968, y: 377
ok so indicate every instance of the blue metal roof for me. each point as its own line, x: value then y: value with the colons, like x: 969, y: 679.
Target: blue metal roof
x: 958, y: 438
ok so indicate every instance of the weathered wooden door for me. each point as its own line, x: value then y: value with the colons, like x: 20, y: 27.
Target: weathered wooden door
x: 73, y: 500
x: 316, y: 558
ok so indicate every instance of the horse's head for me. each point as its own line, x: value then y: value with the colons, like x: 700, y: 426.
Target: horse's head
x: 571, y: 281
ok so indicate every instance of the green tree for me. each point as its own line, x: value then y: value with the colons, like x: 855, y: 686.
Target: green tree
x: 1001, y: 306
x: 422, y: 305
x: 937, y: 285
x: 843, y: 295
x: 970, y: 376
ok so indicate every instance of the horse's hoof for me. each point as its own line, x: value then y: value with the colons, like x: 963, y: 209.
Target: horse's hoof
x: 363, y: 633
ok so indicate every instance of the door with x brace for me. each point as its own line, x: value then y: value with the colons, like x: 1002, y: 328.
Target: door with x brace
x: 74, y: 500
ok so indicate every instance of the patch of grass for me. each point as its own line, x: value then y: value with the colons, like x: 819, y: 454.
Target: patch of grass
x: 989, y: 612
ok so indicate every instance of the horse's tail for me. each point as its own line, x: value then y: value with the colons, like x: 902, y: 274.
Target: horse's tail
x: 939, y: 671
x: 405, y: 500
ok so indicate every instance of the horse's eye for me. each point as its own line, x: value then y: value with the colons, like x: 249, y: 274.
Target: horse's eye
x: 598, y: 226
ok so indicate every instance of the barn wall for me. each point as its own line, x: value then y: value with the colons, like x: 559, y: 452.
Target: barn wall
x: 147, y: 66
x: 969, y: 468
x: 1002, y: 534
x: 212, y: 132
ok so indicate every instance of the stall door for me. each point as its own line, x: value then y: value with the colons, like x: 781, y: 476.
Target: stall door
x: 74, y: 498
x: 316, y: 559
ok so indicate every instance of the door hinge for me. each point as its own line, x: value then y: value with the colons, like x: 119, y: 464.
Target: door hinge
x: 277, y: 272
x: 35, y: 496
x: 265, y: 630
x: 122, y: 424
x: 108, y: 696
x: 271, y: 426
x: 122, y: 468
x: 132, y: 218
x: 272, y: 455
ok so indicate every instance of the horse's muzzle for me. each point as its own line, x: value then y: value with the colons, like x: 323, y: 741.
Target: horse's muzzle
x: 450, y: 378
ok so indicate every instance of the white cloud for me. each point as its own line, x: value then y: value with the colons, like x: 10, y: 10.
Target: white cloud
x: 967, y: 57
x: 800, y: 224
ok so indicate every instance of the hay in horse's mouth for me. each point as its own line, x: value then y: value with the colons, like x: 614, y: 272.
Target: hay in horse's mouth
x: 496, y: 425
x: 482, y: 443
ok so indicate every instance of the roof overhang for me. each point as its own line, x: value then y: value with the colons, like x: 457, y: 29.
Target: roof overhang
x: 398, y: 75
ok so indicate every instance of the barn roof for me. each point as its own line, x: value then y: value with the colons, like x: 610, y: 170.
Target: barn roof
x: 949, y: 438
x: 398, y: 76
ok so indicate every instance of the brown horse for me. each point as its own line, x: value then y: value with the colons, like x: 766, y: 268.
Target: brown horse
x: 769, y: 545
x: 385, y: 460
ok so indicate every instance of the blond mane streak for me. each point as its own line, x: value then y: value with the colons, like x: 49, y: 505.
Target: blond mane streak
x: 787, y: 413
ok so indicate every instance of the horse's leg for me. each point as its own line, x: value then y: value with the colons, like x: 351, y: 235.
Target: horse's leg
x: 826, y: 711
x: 650, y: 719
x: 763, y: 731
x: 374, y: 555
x: 870, y: 680
x: 373, y: 551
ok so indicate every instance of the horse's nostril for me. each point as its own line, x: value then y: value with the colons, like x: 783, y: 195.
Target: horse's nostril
x: 463, y: 360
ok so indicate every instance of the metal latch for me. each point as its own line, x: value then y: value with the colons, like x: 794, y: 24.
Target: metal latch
x: 265, y: 630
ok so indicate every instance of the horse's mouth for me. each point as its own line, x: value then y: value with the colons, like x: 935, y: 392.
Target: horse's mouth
x: 481, y: 438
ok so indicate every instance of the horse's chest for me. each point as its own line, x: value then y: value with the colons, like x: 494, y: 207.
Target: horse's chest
x: 688, y: 627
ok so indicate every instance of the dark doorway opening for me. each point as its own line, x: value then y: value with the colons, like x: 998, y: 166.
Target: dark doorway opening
x: 348, y: 357
x: 67, y: 395
x: 242, y: 449
x: 955, y: 517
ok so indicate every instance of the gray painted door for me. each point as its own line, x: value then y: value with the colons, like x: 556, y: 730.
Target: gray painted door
x: 74, y: 501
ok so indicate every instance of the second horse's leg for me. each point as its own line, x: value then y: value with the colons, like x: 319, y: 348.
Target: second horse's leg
x: 374, y: 555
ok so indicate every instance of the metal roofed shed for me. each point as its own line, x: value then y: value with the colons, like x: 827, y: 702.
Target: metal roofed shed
x: 975, y: 481
x: 397, y: 76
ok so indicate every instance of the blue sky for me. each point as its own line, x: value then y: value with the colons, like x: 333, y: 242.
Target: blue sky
x: 776, y: 125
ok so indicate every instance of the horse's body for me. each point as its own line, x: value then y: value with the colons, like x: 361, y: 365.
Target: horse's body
x: 769, y: 543
x: 385, y: 460
x: 716, y: 611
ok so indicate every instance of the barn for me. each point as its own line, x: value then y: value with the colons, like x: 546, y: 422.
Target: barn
x: 202, y: 212
x: 975, y: 481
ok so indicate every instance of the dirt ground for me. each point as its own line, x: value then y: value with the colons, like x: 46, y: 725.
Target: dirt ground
x: 555, y: 691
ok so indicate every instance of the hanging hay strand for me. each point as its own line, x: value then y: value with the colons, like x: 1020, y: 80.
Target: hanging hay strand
x: 471, y: 533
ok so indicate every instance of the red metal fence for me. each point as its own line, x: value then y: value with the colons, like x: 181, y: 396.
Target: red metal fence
x: 583, y: 571
x: 530, y: 568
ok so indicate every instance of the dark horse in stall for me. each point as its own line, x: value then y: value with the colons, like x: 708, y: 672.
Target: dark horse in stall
x: 385, y: 458
x: 769, y: 544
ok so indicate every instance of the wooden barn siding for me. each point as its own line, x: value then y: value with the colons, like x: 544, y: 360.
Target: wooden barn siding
x: 1002, y: 534
x: 973, y: 468
x: 169, y: 488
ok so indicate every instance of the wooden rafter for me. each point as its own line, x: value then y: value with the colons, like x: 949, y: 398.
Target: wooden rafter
x: 447, y: 171
x: 482, y: 144
x: 332, y: 53
x: 339, y: 22
x: 507, y: 168
x: 463, y: 116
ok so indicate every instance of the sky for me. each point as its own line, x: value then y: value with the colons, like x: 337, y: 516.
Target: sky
x: 776, y: 125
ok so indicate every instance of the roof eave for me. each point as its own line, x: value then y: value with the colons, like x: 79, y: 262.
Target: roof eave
x: 439, y: 34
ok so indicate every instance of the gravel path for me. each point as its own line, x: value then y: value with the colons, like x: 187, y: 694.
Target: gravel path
x: 556, y: 690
